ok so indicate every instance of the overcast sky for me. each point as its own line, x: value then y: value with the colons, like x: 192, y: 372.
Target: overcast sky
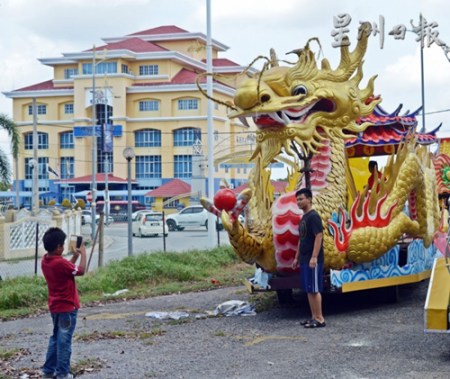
x: 31, y: 29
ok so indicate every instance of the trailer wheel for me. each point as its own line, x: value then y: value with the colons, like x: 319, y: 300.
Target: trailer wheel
x: 285, y: 296
x: 392, y: 294
x: 389, y: 295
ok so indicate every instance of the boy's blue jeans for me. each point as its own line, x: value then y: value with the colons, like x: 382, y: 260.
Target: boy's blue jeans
x: 59, y: 349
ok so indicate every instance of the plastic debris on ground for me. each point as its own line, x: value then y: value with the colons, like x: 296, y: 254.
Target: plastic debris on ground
x: 167, y: 315
x: 234, y: 308
x: 260, y: 279
x: 117, y: 293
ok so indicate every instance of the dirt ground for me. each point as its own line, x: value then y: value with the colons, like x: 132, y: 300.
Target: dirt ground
x: 365, y: 337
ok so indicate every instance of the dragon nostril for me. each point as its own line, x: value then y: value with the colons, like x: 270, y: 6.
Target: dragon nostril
x: 265, y: 98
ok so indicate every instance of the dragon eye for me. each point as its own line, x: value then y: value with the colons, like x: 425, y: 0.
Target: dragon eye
x: 299, y: 90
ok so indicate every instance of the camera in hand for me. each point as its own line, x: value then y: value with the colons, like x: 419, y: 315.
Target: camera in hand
x: 75, y: 243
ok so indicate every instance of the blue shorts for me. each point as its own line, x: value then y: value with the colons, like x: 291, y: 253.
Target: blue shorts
x: 311, y: 279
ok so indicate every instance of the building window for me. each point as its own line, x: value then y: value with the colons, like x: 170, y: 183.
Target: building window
x: 148, y: 70
x: 186, y: 136
x: 66, y: 140
x: 42, y: 168
x: 148, y: 106
x: 42, y: 141
x: 187, y: 104
x: 148, y: 166
x: 69, y: 73
x: 182, y: 166
x: 147, y: 138
x: 40, y: 109
x: 67, y: 167
x: 68, y: 108
x: 124, y: 69
x: 100, y: 68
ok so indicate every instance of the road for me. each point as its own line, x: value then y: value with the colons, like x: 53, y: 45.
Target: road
x: 116, y: 247
x: 195, y: 238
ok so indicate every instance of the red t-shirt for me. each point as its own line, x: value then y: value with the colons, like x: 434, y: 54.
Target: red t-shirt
x: 62, y: 289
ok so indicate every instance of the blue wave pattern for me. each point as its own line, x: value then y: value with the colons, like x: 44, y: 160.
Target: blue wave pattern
x: 419, y: 259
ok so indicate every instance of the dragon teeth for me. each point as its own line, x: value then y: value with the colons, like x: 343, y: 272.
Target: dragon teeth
x: 244, y: 121
x: 286, y: 119
x: 274, y: 116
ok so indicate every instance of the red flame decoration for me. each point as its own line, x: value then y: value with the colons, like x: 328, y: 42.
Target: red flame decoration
x: 342, y: 233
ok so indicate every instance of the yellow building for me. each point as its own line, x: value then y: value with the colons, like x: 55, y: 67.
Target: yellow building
x: 146, y: 97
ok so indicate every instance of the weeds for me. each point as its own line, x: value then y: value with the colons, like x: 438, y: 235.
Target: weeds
x: 144, y: 275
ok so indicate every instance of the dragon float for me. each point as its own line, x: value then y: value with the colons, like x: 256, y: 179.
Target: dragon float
x: 311, y: 113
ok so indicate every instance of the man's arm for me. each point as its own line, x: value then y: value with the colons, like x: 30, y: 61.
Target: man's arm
x: 80, y: 252
x: 295, y: 261
x: 317, y: 244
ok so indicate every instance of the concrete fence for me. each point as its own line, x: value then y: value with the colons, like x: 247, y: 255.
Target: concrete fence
x: 20, y: 231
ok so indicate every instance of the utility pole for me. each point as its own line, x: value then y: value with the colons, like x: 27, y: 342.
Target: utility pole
x: 106, y: 152
x: 94, y: 148
x: 35, y: 205
x: 209, y: 91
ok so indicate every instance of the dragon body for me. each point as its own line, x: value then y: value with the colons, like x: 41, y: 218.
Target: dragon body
x: 310, y: 111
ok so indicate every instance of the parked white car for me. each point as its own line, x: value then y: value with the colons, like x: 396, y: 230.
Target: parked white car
x: 86, y: 218
x: 149, y: 223
x: 135, y: 214
x: 194, y: 216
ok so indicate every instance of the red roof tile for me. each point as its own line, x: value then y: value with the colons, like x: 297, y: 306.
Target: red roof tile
x: 173, y: 188
x: 165, y: 29
x: 134, y: 44
x: 100, y: 178
x: 186, y: 77
x: 222, y: 62
x: 43, y: 86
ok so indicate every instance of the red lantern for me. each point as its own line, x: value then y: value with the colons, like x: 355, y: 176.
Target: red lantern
x: 225, y: 199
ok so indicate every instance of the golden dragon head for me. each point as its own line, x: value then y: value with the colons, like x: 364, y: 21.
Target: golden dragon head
x: 301, y: 105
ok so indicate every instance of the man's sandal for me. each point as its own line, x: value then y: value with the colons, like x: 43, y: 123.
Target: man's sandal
x: 304, y: 322
x: 315, y: 324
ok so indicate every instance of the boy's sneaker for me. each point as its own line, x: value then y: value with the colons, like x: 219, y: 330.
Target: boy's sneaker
x: 48, y: 376
x: 68, y: 376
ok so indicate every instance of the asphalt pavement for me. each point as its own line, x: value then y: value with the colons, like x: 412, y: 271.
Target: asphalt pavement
x: 365, y: 337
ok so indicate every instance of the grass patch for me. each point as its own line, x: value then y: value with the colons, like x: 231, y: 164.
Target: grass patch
x: 87, y: 366
x: 119, y: 334
x: 6, y: 355
x: 143, y: 276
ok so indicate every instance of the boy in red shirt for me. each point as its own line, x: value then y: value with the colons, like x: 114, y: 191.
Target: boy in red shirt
x: 63, y: 301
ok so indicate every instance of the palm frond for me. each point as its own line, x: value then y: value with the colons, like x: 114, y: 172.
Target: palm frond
x: 8, y: 124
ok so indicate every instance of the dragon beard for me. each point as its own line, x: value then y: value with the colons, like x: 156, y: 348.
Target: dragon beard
x: 270, y: 143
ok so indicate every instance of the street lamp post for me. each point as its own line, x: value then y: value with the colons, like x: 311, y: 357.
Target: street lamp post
x: 106, y: 190
x: 422, y: 74
x: 128, y: 154
x: 94, y: 148
x: 106, y: 167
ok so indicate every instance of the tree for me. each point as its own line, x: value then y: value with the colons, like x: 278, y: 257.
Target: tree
x: 5, y: 166
x: 80, y: 204
x: 66, y: 203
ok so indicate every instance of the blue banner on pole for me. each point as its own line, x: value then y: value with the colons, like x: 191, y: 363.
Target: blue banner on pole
x: 86, y: 131
x: 108, y: 131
